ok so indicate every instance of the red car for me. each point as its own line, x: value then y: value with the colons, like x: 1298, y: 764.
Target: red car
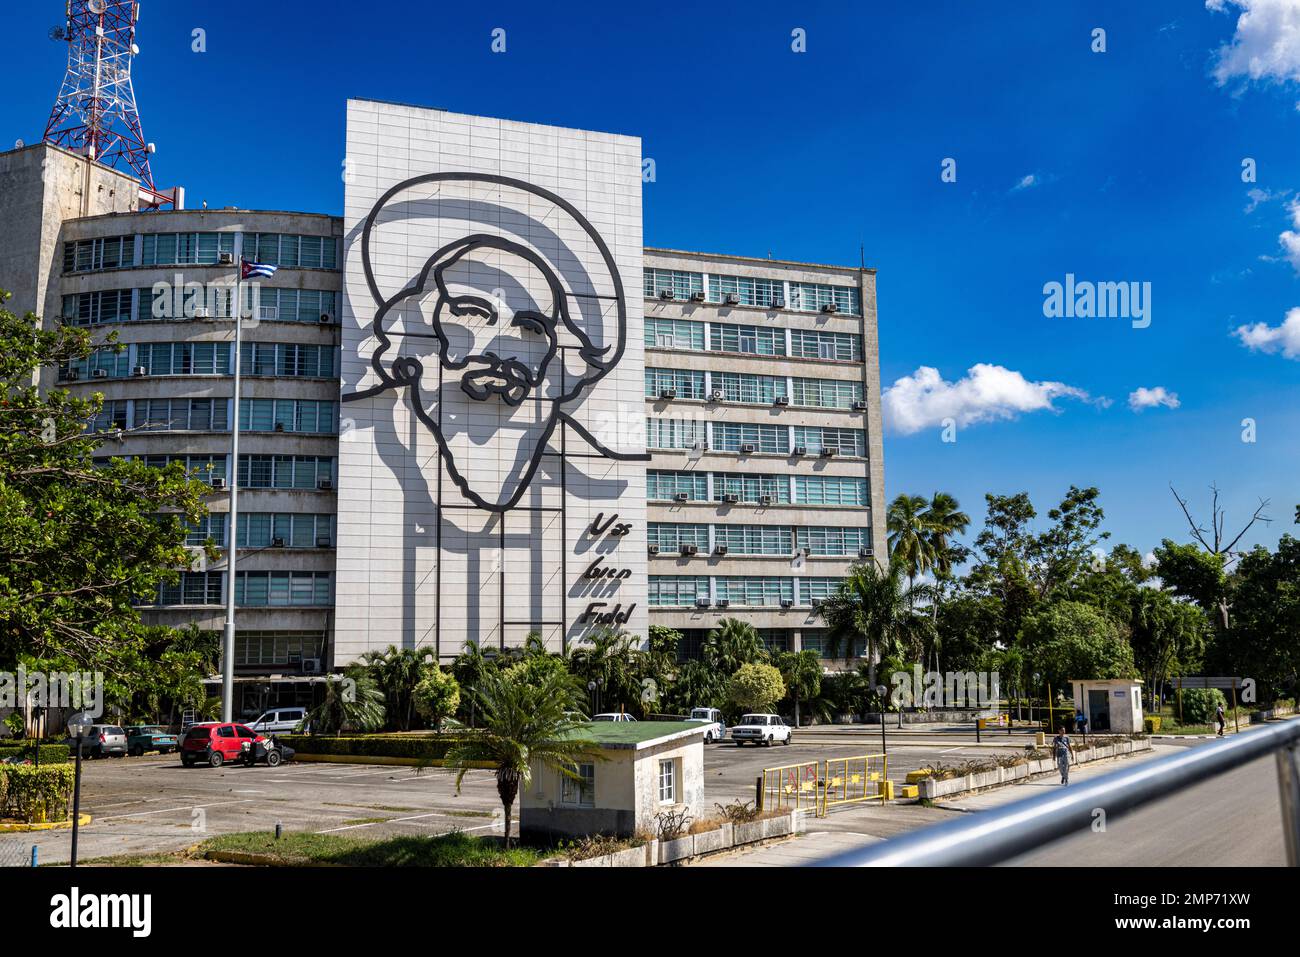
x: 215, y: 743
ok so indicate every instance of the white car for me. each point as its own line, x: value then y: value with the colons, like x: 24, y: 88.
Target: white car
x: 761, y: 729
x: 614, y: 716
x: 715, y: 726
x: 278, y: 721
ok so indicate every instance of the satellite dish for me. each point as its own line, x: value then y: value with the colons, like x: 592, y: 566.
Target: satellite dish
x: 96, y: 6
x: 56, y: 33
x: 19, y: 144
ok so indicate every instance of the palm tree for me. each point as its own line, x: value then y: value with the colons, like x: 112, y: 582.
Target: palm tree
x: 525, y: 728
x: 732, y: 644
x: 610, y: 658
x: 353, y: 700
x: 468, y: 668
x: 909, y: 535
x: 397, y: 671
x: 802, y: 671
x: 874, y: 605
x: 943, y: 519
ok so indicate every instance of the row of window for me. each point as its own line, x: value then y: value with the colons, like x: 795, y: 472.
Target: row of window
x: 664, y: 486
x: 747, y: 387
x: 760, y: 539
x: 310, y: 416
x: 267, y: 530
x: 752, y: 340
x: 278, y: 647
x: 691, y: 647
x: 749, y: 291
x: 747, y: 437
x: 142, y: 305
x: 252, y: 589
x: 676, y: 591
x: 198, y: 249
x: 255, y: 471
x: 206, y: 358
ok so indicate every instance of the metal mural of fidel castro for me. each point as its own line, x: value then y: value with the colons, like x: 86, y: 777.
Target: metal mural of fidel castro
x: 469, y: 298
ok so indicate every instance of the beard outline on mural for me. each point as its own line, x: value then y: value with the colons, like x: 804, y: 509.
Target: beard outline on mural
x: 486, y: 376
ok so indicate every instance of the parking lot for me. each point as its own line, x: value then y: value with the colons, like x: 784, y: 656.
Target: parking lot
x: 151, y: 804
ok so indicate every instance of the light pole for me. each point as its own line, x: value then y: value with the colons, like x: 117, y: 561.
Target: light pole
x: 880, y: 692
x: 228, y: 639
x: 79, y: 726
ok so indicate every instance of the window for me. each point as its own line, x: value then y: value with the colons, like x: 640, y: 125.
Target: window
x: 669, y: 591
x: 751, y: 488
x: 193, y: 588
x: 754, y: 539
x: 749, y: 291
x: 288, y: 415
x: 810, y: 588
x: 775, y: 639
x: 111, y: 415
x: 830, y: 490
x: 675, y: 433
x: 666, y: 486
x: 580, y: 792
x: 286, y: 530
x: 749, y: 340
x: 284, y: 471
x: 828, y: 540
x: 111, y: 362
x: 815, y: 344
x: 272, y: 588
x: 213, y: 526
x: 111, y: 252
x: 843, y: 441
x: 681, y: 284
x: 732, y: 436
x: 277, y: 647
x: 287, y: 359
x: 185, y: 249
x: 93, y: 308
x: 282, y: 249
x: 826, y: 393
x: 674, y: 334
x: 811, y: 296
x: 670, y: 537
x: 816, y: 639
x: 668, y: 782
x: 290, y: 305
x: 181, y: 415
x: 755, y: 592
x: 687, y: 384
x: 202, y: 467
x: 184, y: 358
x: 743, y: 387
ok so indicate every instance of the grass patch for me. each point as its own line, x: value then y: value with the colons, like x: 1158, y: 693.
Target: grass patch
x: 134, y: 860
x: 370, y: 807
x: 466, y: 813
x: 363, y: 820
x: 302, y: 848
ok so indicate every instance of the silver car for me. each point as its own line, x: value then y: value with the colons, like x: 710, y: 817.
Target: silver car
x: 104, y: 740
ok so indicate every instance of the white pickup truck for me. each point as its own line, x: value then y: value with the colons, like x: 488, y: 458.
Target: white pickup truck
x: 715, y: 726
x: 761, y: 729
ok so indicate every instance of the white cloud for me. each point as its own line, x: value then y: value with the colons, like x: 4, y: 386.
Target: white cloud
x: 1025, y: 182
x: 987, y: 393
x: 1290, y: 238
x: 1144, y: 398
x: 1266, y: 44
x: 1265, y: 338
x: 1258, y: 197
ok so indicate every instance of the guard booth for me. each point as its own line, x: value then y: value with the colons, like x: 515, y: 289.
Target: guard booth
x: 1113, y: 705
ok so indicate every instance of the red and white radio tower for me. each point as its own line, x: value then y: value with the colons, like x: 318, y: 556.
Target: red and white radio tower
x: 95, y: 113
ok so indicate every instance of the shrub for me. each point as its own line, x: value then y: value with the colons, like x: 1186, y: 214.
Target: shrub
x: 35, y: 794
x: 437, y: 696
x: 26, y: 751
x: 420, y: 747
x: 1151, y: 724
x: 1199, y: 704
x: 755, y: 687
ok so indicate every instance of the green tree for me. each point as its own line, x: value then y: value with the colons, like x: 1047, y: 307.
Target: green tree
x: 802, y: 673
x: 732, y: 644
x: 1166, y: 635
x: 83, y: 544
x: 468, y: 669
x: 942, y: 520
x: 396, y: 672
x: 875, y: 607
x: 1263, y: 641
x: 351, y: 701
x: 755, y: 687
x: 909, y: 535
x: 437, y: 696
x: 1066, y: 640
x: 697, y: 685
x: 610, y: 658
x: 524, y: 727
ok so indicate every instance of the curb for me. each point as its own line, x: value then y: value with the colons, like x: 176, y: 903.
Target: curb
x: 48, y: 826
x: 377, y: 759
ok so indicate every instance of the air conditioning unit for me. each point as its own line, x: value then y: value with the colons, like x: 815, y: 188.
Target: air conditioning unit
x: 311, y: 666
x: 732, y: 299
x: 277, y: 543
x: 828, y: 307
x: 765, y: 500
x: 747, y: 449
x: 701, y: 603
x: 715, y: 395
x: 828, y: 451
x: 731, y: 498
x: 859, y: 406
x: 140, y: 370
x: 805, y: 551
x: 690, y: 549
x: 781, y: 400
x: 778, y: 303
x: 697, y: 297
x: 723, y: 602
x: 99, y: 373
x: 202, y: 313
x: 323, y: 541
x: 700, y: 447
x: 667, y: 393
x: 268, y: 312
x: 799, y: 450
x: 666, y: 294
x: 218, y: 482
x: 818, y: 602
x: 719, y: 549
x: 327, y: 318
x: 225, y: 259
x: 324, y: 484
x: 72, y: 375
x: 279, y: 426
x: 654, y: 549
x: 681, y: 497
x: 864, y: 553
x: 787, y: 602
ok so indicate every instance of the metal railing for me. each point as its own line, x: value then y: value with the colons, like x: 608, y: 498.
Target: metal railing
x: 994, y: 836
x: 789, y: 786
x: 853, y: 781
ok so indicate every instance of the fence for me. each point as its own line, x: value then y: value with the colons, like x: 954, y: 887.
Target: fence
x: 823, y: 785
x: 17, y: 854
x: 991, y: 837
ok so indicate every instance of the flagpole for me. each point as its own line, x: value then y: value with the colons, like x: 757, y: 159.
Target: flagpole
x: 232, y: 483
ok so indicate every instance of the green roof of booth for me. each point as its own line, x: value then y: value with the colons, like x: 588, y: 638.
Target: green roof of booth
x: 636, y: 734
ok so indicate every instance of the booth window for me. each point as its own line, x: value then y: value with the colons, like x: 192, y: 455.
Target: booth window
x: 667, y: 782
x: 582, y: 792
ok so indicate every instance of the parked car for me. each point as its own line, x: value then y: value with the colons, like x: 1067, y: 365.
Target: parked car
x: 149, y: 737
x: 614, y: 716
x: 278, y: 721
x: 215, y: 743
x: 715, y: 724
x: 272, y: 752
x: 761, y: 729
x: 104, y: 740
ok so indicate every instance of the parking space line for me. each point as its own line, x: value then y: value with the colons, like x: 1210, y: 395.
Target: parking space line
x: 184, y: 807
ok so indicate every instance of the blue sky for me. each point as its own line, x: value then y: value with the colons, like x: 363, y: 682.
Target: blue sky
x: 1123, y: 165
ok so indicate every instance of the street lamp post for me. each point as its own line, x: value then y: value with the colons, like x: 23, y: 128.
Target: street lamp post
x: 79, y: 726
x: 884, y: 745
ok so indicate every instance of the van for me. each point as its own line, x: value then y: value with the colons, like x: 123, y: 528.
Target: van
x: 278, y: 721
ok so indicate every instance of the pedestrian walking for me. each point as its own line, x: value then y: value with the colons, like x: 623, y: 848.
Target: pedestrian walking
x: 1219, y: 717
x: 1061, y: 749
x: 1081, y: 723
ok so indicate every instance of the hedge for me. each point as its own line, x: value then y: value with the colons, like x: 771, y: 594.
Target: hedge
x: 50, y: 753
x: 35, y: 795
x: 429, y: 747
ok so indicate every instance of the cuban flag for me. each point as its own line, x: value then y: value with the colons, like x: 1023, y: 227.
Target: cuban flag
x: 250, y: 270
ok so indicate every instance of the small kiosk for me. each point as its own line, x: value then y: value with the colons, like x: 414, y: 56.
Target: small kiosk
x: 1113, y: 705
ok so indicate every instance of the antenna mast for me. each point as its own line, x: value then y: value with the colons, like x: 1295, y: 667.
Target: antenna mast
x: 95, y: 112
